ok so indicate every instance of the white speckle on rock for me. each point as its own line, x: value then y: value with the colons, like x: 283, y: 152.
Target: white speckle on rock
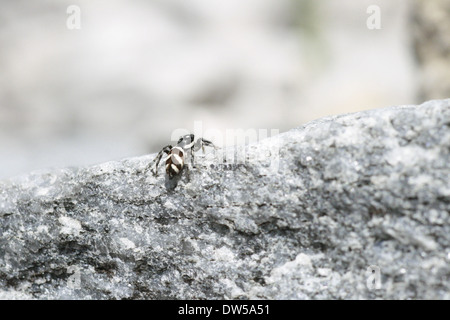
x: 224, y: 254
x: 437, y: 217
x: 127, y: 243
x: 42, y: 228
x: 40, y: 281
x: 353, y: 241
x: 139, y: 229
x: 42, y: 192
x: 421, y: 180
x: 302, y: 261
x: 169, y: 205
x: 14, y: 295
x: 103, y: 168
x: 235, y: 291
x: 323, y: 272
x: 70, y: 226
x: 426, y: 242
x: 411, y: 155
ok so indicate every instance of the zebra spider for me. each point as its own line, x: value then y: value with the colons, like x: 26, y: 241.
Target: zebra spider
x: 175, y: 155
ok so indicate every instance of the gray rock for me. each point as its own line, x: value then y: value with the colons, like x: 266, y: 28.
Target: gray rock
x: 324, y: 211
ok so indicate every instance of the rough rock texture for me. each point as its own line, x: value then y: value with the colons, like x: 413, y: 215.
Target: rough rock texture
x: 337, y: 198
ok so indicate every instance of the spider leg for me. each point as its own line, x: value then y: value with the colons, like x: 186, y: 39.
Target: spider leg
x: 192, y: 157
x: 201, y: 143
x: 165, y: 150
x: 188, y: 171
x: 208, y: 144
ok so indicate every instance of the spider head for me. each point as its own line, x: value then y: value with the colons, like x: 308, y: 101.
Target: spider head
x: 186, y: 141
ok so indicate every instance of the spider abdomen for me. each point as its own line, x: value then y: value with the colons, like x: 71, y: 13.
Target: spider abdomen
x: 175, y: 161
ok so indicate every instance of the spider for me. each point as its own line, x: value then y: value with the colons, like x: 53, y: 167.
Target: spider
x: 175, y: 155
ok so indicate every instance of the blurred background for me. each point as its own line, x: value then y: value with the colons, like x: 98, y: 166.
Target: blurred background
x: 137, y: 70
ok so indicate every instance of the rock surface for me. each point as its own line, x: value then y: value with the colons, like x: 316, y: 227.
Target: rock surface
x: 341, y: 204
